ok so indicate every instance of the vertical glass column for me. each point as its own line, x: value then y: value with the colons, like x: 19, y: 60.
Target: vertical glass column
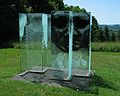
x: 44, y: 31
x: 89, y: 69
x: 46, y: 51
x: 35, y: 41
x: 34, y: 38
x: 23, y: 41
x: 81, y: 44
x: 60, y: 36
x: 70, y: 45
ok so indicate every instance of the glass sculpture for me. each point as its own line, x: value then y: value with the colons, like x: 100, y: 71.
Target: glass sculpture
x: 60, y: 42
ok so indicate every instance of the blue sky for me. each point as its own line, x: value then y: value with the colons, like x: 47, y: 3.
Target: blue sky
x: 106, y: 11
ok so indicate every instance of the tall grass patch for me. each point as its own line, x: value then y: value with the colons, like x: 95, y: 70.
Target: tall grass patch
x: 106, y: 46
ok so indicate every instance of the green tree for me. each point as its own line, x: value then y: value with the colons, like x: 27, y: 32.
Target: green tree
x: 107, y: 33
x: 113, y: 36
x: 9, y: 10
x: 118, y: 35
x: 56, y: 4
x: 43, y: 6
x: 101, y: 35
x: 95, y: 30
x: 36, y: 6
x: 74, y: 8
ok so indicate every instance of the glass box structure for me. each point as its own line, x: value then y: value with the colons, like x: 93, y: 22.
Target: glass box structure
x: 60, y: 42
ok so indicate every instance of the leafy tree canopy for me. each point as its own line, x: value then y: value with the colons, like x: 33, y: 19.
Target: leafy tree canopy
x: 74, y: 8
x: 9, y: 10
x: 42, y: 6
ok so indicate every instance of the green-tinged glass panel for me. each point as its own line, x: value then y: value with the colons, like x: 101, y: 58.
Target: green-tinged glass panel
x: 61, y: 44
x: 46, y: 41
x: 70, y: 45
x: 34, y: 40
x: 81, y: 44
x: 23, y: 42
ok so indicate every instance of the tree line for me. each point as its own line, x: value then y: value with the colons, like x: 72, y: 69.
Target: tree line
x: 106, y: 35
x: 9, y: 18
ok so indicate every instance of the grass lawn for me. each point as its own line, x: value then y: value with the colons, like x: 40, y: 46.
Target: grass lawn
x: 105, y: 64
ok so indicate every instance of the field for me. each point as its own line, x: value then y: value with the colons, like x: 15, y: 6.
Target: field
x: 106, y: 80
x: 106, y: 46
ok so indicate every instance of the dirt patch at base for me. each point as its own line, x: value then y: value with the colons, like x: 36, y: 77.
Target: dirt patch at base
x: 76, y: 82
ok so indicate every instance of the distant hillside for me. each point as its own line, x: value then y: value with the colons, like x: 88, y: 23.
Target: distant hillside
x: 111, y: 27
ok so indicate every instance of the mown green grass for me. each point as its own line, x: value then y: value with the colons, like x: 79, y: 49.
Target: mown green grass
x: 105, y: 64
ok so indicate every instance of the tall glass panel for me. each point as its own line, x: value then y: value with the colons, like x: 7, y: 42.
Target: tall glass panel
x: 61, y: 36
x: 46, y: 41
x: 81, y: 44
x: 34, y: 39
x: 23, y: 42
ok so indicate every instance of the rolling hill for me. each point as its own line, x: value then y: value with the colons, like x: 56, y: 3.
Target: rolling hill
x: 115, y: 27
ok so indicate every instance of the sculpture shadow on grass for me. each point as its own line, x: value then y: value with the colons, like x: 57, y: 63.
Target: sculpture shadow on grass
x: 98, y: 81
